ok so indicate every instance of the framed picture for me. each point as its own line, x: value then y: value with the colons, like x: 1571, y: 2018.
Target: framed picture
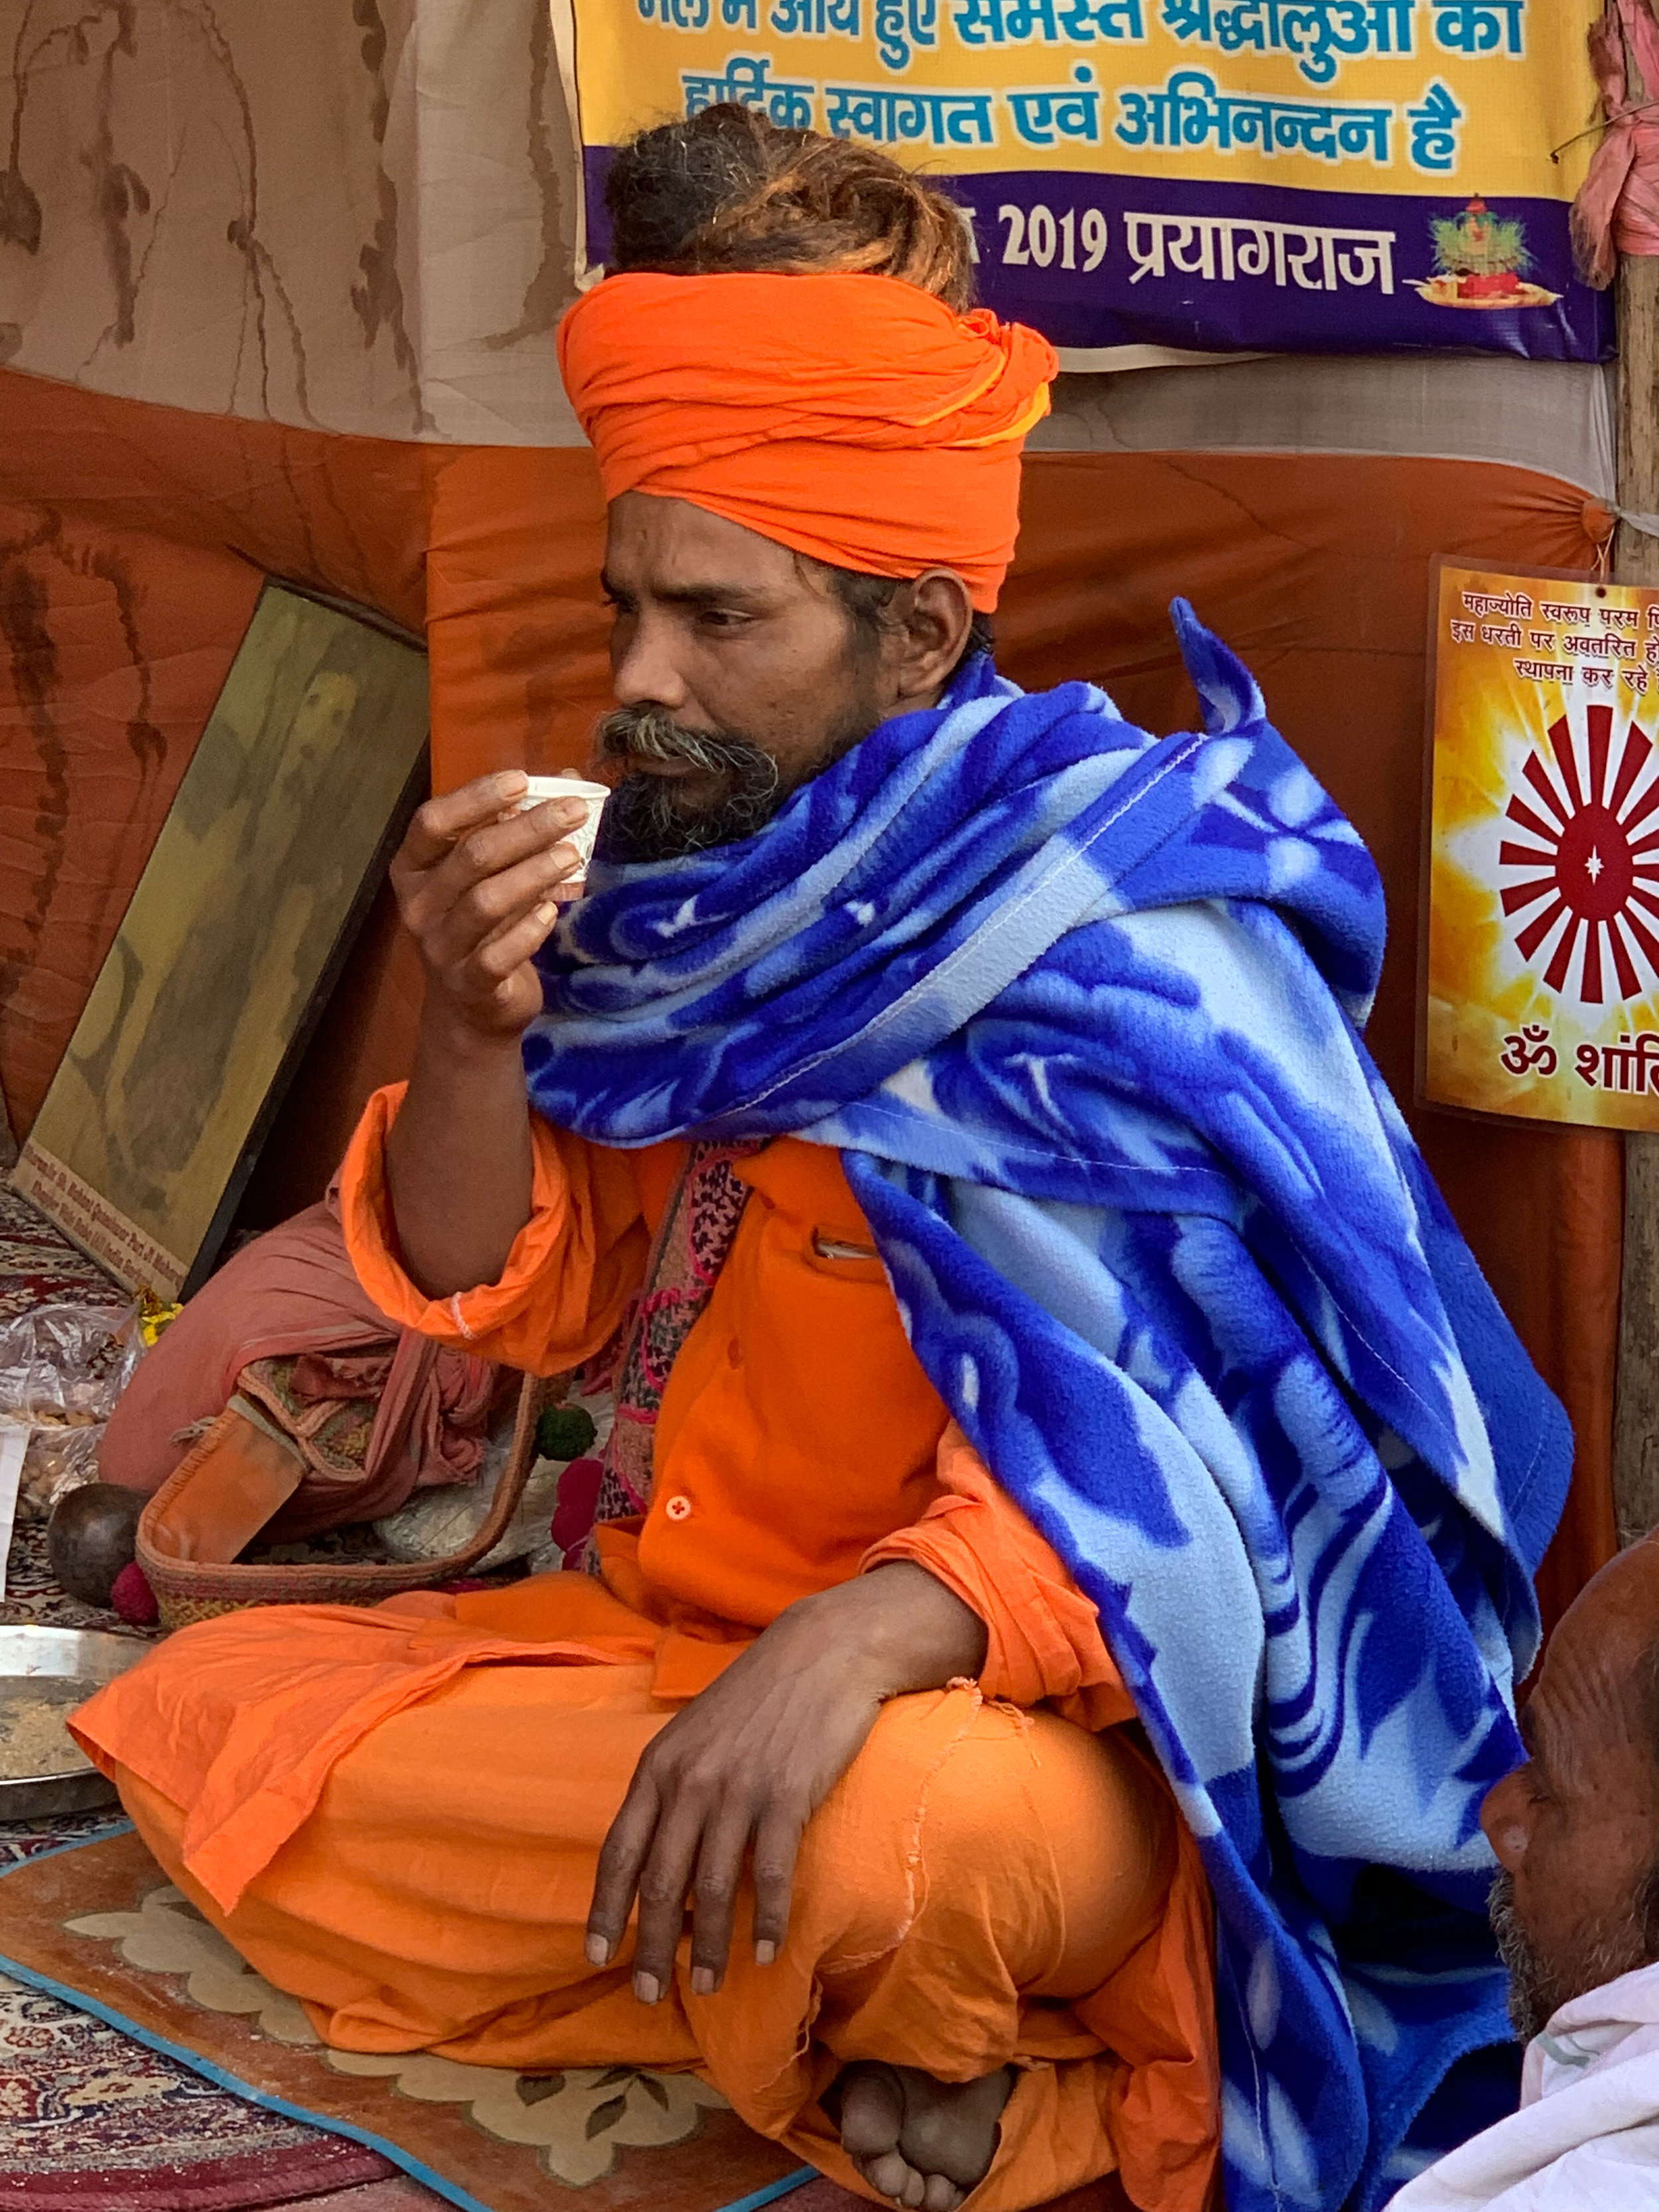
x: 1541, y: 967
x: 311, y: 761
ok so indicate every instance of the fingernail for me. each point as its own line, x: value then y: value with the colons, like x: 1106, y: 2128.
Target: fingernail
x: 703, y: 1981
x: 647, y: 1988
x: 511, y: 782
x: 765, y: 1952
x: 598, y: 1951
x: 546, y: 912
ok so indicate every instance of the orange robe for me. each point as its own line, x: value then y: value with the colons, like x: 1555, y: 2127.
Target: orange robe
x: 394, y: 1813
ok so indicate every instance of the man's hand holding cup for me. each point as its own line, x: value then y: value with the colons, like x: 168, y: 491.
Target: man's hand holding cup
x: 479, y: 880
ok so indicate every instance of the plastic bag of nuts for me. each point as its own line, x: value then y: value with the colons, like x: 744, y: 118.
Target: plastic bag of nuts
x: 62, y: 1369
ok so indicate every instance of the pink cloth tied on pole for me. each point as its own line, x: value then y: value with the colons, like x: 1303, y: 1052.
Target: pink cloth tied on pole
x: 1617, y: 210
x: 293, y: 1294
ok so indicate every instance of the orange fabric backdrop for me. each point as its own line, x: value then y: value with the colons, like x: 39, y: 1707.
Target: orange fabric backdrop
x: 131, y: 542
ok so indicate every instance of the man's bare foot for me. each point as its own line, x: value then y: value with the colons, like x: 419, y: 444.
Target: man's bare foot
x: 924, y: 2143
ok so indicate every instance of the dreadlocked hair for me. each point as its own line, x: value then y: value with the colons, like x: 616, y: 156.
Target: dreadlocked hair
x: 727, y: 192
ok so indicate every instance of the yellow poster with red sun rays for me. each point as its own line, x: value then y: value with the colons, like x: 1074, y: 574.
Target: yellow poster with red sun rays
x: 1543, y: 966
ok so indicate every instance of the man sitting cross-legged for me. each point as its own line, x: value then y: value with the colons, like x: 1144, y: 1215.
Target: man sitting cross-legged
x: 1063, y: 1445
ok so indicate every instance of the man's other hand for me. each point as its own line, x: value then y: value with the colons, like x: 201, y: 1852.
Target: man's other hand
x: 749, y: 1762
x: 479, y: 888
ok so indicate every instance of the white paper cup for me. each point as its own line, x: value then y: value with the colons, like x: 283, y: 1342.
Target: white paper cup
x: 543, y: 787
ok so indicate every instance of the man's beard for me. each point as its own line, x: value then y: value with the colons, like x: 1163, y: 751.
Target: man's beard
x: 1538, y: 1990
x: 644, y: 819
x: 1534, y: 1990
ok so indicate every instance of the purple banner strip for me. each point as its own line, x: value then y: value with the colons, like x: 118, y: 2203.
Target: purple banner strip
x: 1095, y: 261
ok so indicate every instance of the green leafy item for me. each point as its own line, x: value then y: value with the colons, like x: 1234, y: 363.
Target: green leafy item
x: 564, y: 1432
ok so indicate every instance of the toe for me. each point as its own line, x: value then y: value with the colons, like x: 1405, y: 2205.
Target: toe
x: 888, y: 2173
x: 941, y: 2195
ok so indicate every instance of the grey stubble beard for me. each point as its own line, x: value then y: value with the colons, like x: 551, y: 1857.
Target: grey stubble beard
x: 1538, y: 1990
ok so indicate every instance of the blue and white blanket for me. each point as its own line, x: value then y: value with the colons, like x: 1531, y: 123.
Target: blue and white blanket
x: 1079, y: 1006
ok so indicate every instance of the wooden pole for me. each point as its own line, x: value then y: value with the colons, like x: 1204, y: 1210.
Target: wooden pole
x: 1636, y: 1418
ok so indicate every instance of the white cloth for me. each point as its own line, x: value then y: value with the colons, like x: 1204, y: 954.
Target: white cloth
x: 1586, y: 2138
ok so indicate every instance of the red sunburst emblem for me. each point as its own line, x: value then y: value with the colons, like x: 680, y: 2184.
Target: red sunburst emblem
x: 1595, y: 865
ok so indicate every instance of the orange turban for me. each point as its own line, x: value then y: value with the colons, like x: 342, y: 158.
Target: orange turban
x: 856, y: 419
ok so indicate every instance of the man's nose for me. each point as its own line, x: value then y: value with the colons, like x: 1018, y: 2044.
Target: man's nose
x: 644, y: 671
x: 1506, y: 1818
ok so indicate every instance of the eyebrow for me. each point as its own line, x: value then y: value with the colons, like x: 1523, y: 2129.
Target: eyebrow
x: 694, y: 595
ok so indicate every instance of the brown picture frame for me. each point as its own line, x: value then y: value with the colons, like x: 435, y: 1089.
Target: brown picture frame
x: 301, y: 787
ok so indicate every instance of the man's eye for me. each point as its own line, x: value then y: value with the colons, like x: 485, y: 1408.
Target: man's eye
x: 726, y: 618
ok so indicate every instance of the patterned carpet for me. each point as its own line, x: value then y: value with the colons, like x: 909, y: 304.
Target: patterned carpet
x: 90, y: 2120
x: 37, y: 1263
x: 39, y: 1266
x: 99, y: 1921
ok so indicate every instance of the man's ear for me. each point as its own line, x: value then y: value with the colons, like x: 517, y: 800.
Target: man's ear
x: 931, y: 617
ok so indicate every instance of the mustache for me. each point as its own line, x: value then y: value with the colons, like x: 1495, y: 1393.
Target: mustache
x: 652, y: 733
x: 644, y: 819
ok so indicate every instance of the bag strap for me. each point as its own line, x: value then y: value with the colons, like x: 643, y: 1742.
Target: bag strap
x: 195, y: 1589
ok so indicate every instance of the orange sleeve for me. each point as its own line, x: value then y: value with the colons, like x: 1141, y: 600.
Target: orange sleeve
x: 568, y: 1279
x: 1043, y: 1640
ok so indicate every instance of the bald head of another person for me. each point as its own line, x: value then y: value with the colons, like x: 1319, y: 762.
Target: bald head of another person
x: 1576, y: 1829
x: 1575, y: 1910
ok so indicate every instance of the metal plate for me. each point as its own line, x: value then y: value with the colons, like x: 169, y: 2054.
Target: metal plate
x: 85, y: 1656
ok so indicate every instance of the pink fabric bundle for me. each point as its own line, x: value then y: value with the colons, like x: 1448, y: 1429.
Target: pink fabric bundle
x: 293, y: 1294
x: 1617, y: 210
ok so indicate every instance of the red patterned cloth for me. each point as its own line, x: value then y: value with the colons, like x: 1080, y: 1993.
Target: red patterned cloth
x: 691, y: 1247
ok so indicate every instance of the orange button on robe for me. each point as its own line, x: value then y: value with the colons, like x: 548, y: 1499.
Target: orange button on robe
x: 394, y: 1811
